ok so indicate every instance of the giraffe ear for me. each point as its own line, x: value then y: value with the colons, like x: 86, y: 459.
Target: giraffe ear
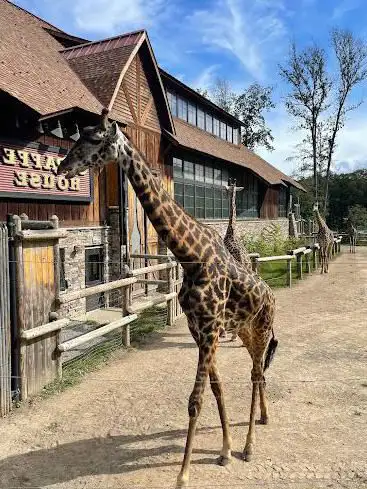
x: 226, y: 187
x: 239, y: 189
x: 114, y: 131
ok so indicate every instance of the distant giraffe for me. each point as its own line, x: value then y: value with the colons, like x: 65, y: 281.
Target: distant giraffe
x: 216, y: 289
x: 325, y: 238
x: 352, y: 235
x: 233, y: 242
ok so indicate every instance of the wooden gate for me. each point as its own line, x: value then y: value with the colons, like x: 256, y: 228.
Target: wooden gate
x: 37, y: 286
x: 5, y: 338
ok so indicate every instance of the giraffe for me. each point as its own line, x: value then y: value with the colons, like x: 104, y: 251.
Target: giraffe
x: 352, y: 234
x: 325, y: 238
x: 216, y: 289
x: 232, y: 241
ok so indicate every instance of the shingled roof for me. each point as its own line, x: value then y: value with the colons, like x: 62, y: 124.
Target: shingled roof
x: 99, y: 64
x: 196, y: 139
x: 32, y: 69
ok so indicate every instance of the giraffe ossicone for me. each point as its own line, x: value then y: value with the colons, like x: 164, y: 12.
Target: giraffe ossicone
x: 216, y: 291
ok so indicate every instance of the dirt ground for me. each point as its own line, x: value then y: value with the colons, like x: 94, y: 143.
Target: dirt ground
x: 124, y: 426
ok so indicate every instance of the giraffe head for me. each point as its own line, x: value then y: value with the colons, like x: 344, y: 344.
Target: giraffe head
x: 231, y: 187
x: 97, y: 146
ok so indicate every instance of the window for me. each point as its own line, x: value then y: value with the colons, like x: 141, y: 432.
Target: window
x: 236, y: 139
x: 199, y: 188
x: 223, y: 130
x: 94, y: 276
x: 93, y: 266
x: 63, y: 282
x: 201, y: 118
x: 191, y: 115
x: 172, y: 101
x: 282, y: 212
x: 229, y: 134
x: 182, y: 108
x: 209, y: 123
x: 215, y: 127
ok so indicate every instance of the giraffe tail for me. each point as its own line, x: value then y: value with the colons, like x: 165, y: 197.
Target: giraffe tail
x: 270, y: 352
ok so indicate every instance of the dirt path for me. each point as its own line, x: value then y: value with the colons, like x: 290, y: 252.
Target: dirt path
x: 124, y: 426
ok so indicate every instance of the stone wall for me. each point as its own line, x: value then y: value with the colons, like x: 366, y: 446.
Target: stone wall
x: 250, y: 226
x: 75, y: 244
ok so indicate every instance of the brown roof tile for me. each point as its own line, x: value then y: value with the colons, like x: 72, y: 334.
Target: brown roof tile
x: 32, y: 68
x: 194, y: 138
x: 99, y: 64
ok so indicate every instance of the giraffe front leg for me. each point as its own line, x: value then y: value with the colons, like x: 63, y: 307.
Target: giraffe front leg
x: 263, y: 403
x: 194, y: 408
x: 216, y: 386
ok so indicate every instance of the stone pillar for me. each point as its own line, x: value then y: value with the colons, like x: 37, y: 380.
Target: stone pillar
x: 114, y: 253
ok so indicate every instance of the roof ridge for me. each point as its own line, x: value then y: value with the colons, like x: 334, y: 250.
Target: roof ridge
x: 98, y: 41
x: 43, y: 21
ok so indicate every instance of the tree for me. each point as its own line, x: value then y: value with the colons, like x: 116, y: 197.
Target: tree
x: 351, y: 55
x: 203, y: 92
x: 223, y: 95
x: 307, y: 100
x: 249, y: 108
x: 358, y: 215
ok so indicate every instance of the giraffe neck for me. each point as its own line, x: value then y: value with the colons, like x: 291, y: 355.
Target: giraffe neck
x: 182, y: 234
x: 232, y: 212
x: 320, y: 220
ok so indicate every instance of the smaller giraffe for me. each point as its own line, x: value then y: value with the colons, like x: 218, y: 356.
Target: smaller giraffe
x: 325, y: 238
x: 232, y: 241
x: 352, y: 234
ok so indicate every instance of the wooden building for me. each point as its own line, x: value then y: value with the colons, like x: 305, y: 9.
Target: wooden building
x: 52, y: 84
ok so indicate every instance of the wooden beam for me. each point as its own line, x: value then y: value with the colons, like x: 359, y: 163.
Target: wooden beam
x: 71, y: 344
x: 129, y: 102
x: 133, y: 309
x: 30, y: 334
x: 146, y: 110
x: 97, y: 289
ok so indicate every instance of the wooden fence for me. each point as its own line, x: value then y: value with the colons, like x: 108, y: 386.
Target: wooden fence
x: 39, y: 298
x: 5, y: 338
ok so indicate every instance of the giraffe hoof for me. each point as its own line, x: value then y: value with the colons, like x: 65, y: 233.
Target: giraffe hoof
x: 247, y: 455
x: 181, y: 483
x: 223, y: 461
x: 264, y: 420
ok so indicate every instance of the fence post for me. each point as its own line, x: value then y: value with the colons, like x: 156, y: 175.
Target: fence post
x: 314, y: 257
x: 255, y: 262
x: 126, y: 303
x: 308, y: 262
x: 299, y: 265
x: 289, y: 272
x: 54, y: 315
x: 170, y: 287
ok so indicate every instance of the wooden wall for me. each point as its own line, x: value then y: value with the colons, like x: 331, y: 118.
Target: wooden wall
x: 270, y: 203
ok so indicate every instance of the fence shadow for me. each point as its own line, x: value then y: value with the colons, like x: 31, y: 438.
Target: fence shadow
x: 97, y: 456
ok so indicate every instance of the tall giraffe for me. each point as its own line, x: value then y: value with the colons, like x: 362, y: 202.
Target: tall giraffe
x: 325, y: 238
x: 232, y: 241
x: 216, y: 290
x: 352, y: 235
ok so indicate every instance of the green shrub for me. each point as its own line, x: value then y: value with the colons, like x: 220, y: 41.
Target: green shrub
x: 271, y: 242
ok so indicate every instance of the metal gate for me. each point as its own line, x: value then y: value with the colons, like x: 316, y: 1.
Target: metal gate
x: 5, y: 338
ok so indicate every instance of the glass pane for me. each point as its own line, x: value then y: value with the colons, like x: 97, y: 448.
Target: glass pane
x: 200, y: 213
x: 201, y: 118
x: 229, y: 133
x: 199, y: 172
x: 209, y: 123
x: 218, y: 213
x: 178, y: 189
x: 182, y: 108
x: 215, y: 126
x: 218, y: 195
x: 217, y: 176
x: 172, y: 100
x: 209, y: 174
x: 191, y: 113
x: 223, y: 130
x: 190, y: 210
x: 189, y: 191
x: 209, y: 192
x: 235, y: 136
x: 189, y: 170
x: 200, y: 193
x: 177, y: 168
x: 225, y: 212
x: 225, y: 176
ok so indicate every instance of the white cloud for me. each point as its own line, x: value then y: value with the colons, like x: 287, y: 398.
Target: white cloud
x: 110, y: 16
x: 344, y: 7
x: 205, y: 79
x: 249, y: 30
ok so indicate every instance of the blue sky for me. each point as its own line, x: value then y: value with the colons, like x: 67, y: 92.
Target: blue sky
x: 241, y: 40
